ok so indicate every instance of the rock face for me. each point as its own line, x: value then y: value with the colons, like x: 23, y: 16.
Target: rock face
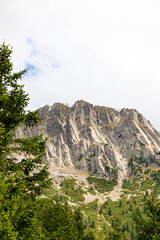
x: 99, y: 140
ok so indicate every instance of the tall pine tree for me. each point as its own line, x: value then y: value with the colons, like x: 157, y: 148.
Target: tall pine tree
x: 23, y: 175
x: 147, y: 223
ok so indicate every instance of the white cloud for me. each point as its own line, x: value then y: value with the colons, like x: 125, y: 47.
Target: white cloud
x: 105, y: 52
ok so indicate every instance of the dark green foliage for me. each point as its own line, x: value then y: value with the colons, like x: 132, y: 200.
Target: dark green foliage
x: 140, y: 159
x: 93, y: 154
x: 147, y: 171
x: 154, y: 159
x: 131, y: 184
x: 156, y: 176
x: 79, y: 224
x: 135, y: 164
x: 106, y: 203
x: 90, y: 235
x: 116, y: 232
x: 101, y: 184
x: 101, y: 210
x: 68, y: 183
x: 89, y: 167
x: 74, y: 191
x: 13, y: 101
x: 60, y: 221
x: 147, y: 224
x: 23, y: 175
x: 120, y: 203
x: 94, y: 204
x: 93, y: 225
x: 153, y: 177
x: 57, y: 220
x: 120, y: 209
x: 110, y: 211
x: 146, y: 184
x: 91, y: 190
x: 107, y: 168
x: 131, y: 206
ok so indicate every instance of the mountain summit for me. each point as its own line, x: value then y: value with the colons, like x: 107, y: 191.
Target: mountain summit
x: 98, y: 140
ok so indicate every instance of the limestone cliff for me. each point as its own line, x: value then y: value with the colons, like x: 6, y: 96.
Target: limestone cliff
x: 99, y: 140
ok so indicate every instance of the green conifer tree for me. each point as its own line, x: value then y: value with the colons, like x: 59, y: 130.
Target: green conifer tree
x: 23, y: 175
x: 116, y: 232
x: 147, y: 224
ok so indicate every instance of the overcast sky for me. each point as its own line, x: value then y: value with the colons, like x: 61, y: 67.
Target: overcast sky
x: 106, y: 52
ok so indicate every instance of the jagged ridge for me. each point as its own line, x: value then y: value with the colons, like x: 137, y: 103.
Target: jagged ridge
x: 97, y: 139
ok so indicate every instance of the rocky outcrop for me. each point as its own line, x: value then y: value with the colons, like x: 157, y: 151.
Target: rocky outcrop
x: 96, y: 139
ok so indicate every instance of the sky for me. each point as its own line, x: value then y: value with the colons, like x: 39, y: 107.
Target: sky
x: 106, y: 52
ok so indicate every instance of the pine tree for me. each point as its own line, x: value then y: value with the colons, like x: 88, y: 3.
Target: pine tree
x: 23, y: 175
x: 57, y: 219
x: 78, y: 221
x: 116, y: 232
x: 147, y: 224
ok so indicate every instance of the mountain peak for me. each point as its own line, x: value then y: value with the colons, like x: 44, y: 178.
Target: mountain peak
x: 97, y: 138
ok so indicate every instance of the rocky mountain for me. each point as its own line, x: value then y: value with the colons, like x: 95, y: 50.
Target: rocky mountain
x: 104, y: 161
x: 98, y: 140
